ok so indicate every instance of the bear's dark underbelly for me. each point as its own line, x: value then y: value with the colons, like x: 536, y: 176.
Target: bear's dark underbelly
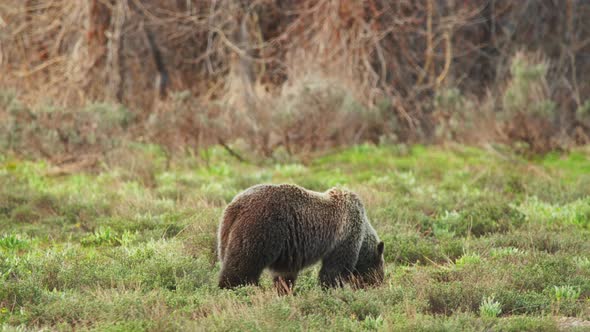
x: 286, y: 263
x: 304, y: 241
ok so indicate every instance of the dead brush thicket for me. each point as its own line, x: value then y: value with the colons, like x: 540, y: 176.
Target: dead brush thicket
x: 302, y: 75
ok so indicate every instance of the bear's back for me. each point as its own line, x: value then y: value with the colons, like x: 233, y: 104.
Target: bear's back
x: 279, y: 194
x: 308, y: 223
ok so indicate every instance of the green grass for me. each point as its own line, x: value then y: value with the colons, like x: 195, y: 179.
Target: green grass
x: 474, y: 240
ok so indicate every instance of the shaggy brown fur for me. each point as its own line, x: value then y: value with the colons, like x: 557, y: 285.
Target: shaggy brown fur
x: 286, y: 228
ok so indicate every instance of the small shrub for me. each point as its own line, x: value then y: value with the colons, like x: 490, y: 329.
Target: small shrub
x: 516, y: 302
x: 467, y: 259
x: 583, y: 112
x: 7, y: 97
x: 52, y: 131
x: 185, y: 123
x: 137, y: 162
x: 452, y: 297
x: 564, y: 299
x: 409, y: 249
x: 543, y: 271
x: 527, y: 91
x: 312, y: 110
x: 453, y: 248
x: 480, y: 219
x: 575, y: 213
x: 504, y: 252
x: 524, y: 323
x: 24, y: 214
x: 365, y: 306
x: 317, y: 303
x: 528, y: 112
x: 13, y: 242
x: 514, y: 184
x: 582, y: 262
x: 490, y: 308
x: 565, y: 293
x: 454, y: 114
x: 101, y: 236
x: 373, y: 323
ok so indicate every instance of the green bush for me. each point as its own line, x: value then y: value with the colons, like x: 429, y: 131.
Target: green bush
x: 527, y: 91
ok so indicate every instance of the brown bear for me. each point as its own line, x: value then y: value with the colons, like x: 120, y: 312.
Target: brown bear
x: 286, y: 228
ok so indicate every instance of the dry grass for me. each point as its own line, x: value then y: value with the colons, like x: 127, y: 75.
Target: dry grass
x: 273, y: 73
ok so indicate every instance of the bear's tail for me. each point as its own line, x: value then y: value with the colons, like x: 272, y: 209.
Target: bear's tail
x: 229, y: 217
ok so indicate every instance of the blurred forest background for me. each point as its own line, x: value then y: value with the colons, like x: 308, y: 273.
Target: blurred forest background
x: 289, y: 77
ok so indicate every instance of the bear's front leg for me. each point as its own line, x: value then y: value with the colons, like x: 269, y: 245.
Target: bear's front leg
x: 331, y: 278
x: 338, y: 265
x: 284, y: 283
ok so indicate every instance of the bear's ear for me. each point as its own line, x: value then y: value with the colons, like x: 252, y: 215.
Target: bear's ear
x: 380, y: 248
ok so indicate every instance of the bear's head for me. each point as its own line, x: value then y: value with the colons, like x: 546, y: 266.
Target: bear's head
x: 369, y: 269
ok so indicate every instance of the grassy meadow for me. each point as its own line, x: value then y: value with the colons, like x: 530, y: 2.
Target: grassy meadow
x: 475, y: 240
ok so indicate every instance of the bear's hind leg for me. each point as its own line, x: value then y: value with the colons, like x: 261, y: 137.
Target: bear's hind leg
x: 230, y: 280
x: 239, y: 271
x: 245, y: 260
